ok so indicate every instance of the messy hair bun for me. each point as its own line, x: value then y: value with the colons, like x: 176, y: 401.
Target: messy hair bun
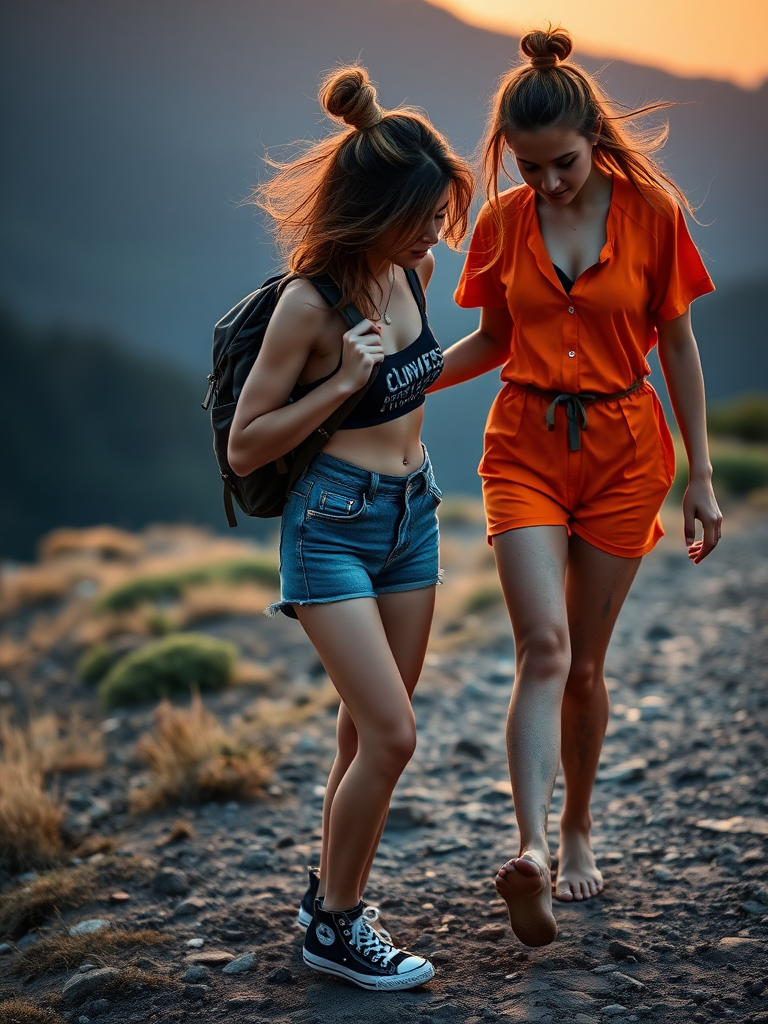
x: 349, y: 95
x: 545, y: 49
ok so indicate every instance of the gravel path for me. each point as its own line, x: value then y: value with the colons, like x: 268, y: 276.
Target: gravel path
x: 681, y: 826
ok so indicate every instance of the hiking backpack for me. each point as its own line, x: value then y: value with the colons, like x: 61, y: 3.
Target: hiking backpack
x: 237, y: 340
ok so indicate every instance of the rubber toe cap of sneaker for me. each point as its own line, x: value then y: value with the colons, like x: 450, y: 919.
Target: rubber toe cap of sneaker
x: 411, y: 963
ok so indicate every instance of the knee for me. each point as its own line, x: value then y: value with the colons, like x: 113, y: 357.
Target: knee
x: 544, y: 653
x: 394, y: 747
x: 584, y: 677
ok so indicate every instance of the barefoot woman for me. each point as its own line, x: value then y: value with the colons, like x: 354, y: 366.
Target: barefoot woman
x: 579, y: 272
x: 358, y: 547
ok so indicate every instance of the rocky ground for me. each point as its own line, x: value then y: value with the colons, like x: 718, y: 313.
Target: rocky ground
x: 681, y: 812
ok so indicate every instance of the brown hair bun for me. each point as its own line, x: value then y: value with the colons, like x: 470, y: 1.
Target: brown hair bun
x: 545, y: 49
x: 348, y: 94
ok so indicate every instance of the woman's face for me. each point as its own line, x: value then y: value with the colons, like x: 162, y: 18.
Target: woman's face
x: 410, y: 255
x: 554, y: 161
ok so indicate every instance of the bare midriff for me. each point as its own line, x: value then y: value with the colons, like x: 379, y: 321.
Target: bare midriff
x: 392, y: 448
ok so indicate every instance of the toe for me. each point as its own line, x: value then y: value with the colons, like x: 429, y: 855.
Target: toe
x: 564, y: 895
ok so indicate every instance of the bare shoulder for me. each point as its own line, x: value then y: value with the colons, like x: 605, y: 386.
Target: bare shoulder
x: 300, y: 319
x: 301, y: 305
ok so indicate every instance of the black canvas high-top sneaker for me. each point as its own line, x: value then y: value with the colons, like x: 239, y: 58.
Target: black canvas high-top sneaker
x: 307, y: 905
x: 343, y: 943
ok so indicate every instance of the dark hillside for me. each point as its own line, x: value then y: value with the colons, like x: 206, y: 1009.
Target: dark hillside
x: 92, y: 433
x: 132, y: 130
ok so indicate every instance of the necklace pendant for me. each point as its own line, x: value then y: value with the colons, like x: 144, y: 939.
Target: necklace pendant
x: 387, y: 319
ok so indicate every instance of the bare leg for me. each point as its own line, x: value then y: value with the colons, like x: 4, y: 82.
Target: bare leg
x: 531, y: 562
x: 351, y: 639
x: 596, y: 586
x: 407, y: 618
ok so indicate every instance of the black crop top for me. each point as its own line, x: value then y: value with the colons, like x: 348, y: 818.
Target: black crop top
x: 399, y: 388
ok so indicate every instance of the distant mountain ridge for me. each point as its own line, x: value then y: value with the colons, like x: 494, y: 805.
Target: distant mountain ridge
x: 133, y: 129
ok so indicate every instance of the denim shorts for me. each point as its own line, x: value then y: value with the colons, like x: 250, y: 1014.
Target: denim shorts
x: 349, y: 533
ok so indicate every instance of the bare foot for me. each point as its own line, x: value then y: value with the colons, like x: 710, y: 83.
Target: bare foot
x: 578, y: 876
x: 525, y: 886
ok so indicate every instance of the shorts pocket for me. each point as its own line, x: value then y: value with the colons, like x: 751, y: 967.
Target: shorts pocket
x: 336, y: 505
x: 436, y: 493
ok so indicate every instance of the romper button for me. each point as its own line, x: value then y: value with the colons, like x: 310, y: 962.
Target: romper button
x: 571, y: 354
x: 571, y: 309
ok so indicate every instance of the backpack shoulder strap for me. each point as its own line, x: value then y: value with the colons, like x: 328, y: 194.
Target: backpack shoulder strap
x: 418, y: 290
x: 330, y: 292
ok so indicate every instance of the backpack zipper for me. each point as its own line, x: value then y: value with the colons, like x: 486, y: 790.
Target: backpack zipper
x: 213, y: 383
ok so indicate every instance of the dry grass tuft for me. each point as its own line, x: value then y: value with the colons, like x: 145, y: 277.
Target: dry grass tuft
x: 27, y: 906
x: 107, y: 948
x: 30, y: 817
x: 62, y: 745
x: 19, y: 1011
x: 95, y: 844
x: 100, y: 541
x: 30, y: 821
x: 31, y: 586
x: 193, y: 759
x: 217, y: 600
x: 268, y: 717
x: 180, y: 830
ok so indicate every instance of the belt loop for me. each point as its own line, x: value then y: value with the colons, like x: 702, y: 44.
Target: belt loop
x: 373, y: 486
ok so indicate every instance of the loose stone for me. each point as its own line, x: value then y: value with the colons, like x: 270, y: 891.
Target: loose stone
x: 241, y: 964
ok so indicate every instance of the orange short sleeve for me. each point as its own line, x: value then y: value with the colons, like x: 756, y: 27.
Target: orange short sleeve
x: 478, y: 287
x: 681, y: 275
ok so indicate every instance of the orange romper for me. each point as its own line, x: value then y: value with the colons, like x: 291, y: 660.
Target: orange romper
x: 610, y: 488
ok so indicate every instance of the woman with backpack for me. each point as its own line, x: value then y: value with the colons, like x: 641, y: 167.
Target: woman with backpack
x: 359, y: 537
x: 578, y: 272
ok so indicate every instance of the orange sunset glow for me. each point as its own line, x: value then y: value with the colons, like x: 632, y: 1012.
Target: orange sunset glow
x: 686, y: 37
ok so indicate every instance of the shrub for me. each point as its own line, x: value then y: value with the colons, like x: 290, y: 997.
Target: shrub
x: 740, y: 471
x: 170, y: 585
x: 745, y: 418
x: 95, y: 663
x: 484, y: 597
x: 192, y: 758
x: 172, y: 665
x: 737, y: 468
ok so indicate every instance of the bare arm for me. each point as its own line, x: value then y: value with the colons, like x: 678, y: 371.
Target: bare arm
x: 481, y: 351
x: 679, y: 357
x: 264, y: 426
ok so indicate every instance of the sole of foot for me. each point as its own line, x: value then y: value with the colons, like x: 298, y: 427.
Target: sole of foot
x: 525, y: 886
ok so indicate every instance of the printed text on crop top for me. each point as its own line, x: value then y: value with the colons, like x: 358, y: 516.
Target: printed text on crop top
x: 401, y: 383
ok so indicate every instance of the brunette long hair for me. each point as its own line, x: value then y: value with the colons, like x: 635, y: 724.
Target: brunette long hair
x: 381, y: 176
x: 548, y: 89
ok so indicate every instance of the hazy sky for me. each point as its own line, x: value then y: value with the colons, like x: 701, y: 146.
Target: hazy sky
x: 687, y: 37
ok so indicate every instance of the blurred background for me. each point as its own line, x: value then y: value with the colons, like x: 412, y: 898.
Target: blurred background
x: 132, y: 130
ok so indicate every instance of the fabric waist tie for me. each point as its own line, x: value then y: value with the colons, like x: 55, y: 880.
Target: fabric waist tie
x: 575, y: 406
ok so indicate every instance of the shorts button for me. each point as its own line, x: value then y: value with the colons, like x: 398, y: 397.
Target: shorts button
x: 571, y: 354
x: 571, y: 309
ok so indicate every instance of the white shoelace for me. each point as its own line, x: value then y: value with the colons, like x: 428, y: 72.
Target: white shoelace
x: 371, y: 914
x: 370, y: 943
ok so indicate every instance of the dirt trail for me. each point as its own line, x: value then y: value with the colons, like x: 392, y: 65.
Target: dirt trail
x: 681, y: 827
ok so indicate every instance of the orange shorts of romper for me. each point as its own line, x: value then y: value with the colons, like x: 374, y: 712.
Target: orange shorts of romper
x: 609, y: 492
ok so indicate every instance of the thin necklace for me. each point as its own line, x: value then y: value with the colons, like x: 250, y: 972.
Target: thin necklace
x: 383, y: 314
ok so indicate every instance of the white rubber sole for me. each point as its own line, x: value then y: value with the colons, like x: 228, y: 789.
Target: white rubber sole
x: 386, y: 983
x: 304, y: 920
